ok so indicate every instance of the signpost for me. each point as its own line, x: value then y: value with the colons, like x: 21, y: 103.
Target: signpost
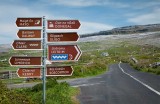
x: 25, y: 61
x: 29, y: 22
x: 59, y: 71
x: 29, y: 72
x: 63, y: 24
x: 56, y: 53
x: 26, y: 44
x: 29, y: 34
x: 63, y: 53
x: 62, y: 37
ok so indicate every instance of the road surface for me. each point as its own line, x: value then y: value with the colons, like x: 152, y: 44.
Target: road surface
x: 120, y: 85
x: 22, y: 85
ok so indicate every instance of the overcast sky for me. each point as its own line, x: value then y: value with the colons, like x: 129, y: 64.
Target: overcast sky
x: 94, y: 15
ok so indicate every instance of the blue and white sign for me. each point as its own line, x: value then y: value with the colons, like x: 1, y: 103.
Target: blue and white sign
x: 59, y: 57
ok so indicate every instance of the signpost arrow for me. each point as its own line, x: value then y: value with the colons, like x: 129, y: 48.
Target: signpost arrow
x: 59, y: 71
x: 29, y: 34
x: 62, y: 37
x: 25, y: 61
x: 26, y: 44
x: 58, y: 53
x: 29, y: 22
x: 63, y: 24
x: 29, y: 72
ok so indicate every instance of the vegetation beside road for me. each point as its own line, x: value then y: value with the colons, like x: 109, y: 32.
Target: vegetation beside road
x: 8, y: 96
x: 56, y: 93
x: 146, y: 56
x: 95, y: 60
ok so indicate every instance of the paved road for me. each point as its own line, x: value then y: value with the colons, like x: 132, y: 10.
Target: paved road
x: 120, y: 85
x: 22, y: 85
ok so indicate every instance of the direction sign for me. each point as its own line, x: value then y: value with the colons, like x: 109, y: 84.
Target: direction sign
x: 25, y: 61
x: 29, y: 22
x: 63, y: 53
x: 29, y: 72
x: 26, y: 44
x: 29, y: 34
x: 62, y: 37
x: 63, y: 24
x: 59, y: 71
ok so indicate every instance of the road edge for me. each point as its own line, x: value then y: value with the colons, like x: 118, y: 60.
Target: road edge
x: 147, y: 86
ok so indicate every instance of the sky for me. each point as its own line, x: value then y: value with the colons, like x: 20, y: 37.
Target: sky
x: 94, y: 15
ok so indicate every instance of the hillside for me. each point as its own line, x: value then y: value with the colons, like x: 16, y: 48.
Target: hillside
x: 4, y: 48
x: 127, y: 30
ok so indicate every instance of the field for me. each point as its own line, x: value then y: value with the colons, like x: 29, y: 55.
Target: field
x: 141, y: 51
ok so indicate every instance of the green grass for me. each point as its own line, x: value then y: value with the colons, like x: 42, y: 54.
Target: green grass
x: 91, y: 63
x: 56, y: 93
x: 13, y: 81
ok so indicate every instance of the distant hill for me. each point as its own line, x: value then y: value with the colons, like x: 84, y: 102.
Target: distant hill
x: 127, y: 30
x: 4, y: 47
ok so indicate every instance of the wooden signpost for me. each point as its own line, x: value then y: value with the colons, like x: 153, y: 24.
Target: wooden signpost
x: 63, y: 53
x: 63, y: 24
x: 59, y: 71
x: 29, y: 22
x: 29, y: 33
x: 29, y: 72
x: 63, y: 37
x: 26, y: 44
x: 25, y: 61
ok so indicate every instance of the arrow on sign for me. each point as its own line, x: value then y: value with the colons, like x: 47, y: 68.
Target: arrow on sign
x: 63, y: 53
x: 63, y: 37
x: 29, y: 22
x: 26, y: 44
x: 25, y: 61
x: 29, y: 72
x: 29, y: 34
x: 63, y: 24
x: 59, y: 71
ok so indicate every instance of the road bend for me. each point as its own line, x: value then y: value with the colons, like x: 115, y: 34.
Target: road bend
x: 120, y: 85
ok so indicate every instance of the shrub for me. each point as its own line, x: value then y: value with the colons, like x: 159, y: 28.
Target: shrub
x: 8, y: 96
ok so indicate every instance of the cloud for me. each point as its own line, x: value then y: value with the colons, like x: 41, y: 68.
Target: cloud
x: 77, y: 2
x: 146, y: 5
x: 87, y: 3
x: 9, y: 14
x: 149, y: 18
x: 90, y: 27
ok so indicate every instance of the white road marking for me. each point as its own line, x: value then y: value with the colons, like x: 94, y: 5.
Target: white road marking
x: 102, y: 81
x: 86, y: 85
x: 150, y: 88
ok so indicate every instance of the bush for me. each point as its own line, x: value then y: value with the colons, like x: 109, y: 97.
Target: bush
x: 8, y: 96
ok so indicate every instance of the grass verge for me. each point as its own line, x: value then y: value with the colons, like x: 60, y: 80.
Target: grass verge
x: 56, y: 93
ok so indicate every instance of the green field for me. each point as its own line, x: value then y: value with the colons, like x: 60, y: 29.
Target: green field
x: 95, y: 59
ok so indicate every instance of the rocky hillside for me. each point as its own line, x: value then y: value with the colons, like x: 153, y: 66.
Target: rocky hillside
x: 127, y: 30
x: 4, y: 47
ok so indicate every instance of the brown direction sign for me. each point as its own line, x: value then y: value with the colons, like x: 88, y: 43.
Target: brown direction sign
x: 26, y: 44
x: 29, y: 34
x: 59, y: 71
x: 58, y: 53
x: 25, y: 61
x: 29, y: 72
x: 29, y: 22
x: 63, y: 24
x: 62, y: 37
